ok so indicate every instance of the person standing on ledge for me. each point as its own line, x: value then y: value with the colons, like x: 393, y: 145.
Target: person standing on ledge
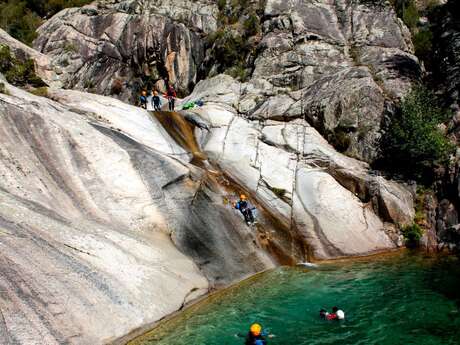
x: 171, y: 96
x: 143, y: 99
x: 156, y: 101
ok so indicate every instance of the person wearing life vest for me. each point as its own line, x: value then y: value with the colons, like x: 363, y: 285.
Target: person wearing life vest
x: 255, y: 335
x: 246, y: 209
x: 336, y: 314
x: 171, y: 96
x: 156, y: 101
x: 143, y: 99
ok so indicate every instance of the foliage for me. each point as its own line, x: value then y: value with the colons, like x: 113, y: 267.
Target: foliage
x: 17, y: 72
x: 279, y: 192
x: 40, y: 91
x: 340, y: 139
x: 238, y: 72
x: 413, y: 144
x: 423, y: 43
x: 412, y: 234
x: 19, y: 21
x: 251, y: 25
x: 70, y: 48
x: 21, y: 18
x: 229, y: 49
x: 233, y: 45
x: 221, y: 4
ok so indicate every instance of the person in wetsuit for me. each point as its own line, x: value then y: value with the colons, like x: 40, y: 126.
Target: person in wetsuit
x: 255, y: 336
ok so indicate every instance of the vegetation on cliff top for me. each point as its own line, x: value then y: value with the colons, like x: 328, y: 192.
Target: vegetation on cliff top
x: 234, y: 43
x: 17, y: 72
x: 22, y: 18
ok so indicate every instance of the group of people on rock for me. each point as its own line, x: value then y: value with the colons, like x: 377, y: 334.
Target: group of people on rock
x: 258, y: 336
x: 170, y: 95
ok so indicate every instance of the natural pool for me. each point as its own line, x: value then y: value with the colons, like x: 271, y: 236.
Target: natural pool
x: 399, y: 299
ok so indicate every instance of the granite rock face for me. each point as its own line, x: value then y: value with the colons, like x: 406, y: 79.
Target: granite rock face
x: 338, y: 64
x: 127, y: 43
x: 341, y: 65
x: 333, y: 202
x: 104, y: 226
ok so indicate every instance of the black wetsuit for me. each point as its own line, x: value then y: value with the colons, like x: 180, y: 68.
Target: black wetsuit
x: 246, y: 210
x: 251, y: 339
x: 156, y: 101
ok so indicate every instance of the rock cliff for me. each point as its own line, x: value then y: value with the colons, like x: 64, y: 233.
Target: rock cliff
x: 339, y: 64
x: 108, y: 221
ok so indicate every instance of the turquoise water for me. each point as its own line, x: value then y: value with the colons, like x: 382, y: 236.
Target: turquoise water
x: 402, y: 299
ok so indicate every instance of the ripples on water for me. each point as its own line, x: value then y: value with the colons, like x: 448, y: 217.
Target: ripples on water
x: 403, y: 299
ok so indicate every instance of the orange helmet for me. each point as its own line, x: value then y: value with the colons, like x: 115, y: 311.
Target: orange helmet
x: 144, y: 93
x: 243, y: 197
x: 256, y: 329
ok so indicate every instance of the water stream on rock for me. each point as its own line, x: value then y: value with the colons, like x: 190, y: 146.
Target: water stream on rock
x: 181, y: 131
x: 397, y: 299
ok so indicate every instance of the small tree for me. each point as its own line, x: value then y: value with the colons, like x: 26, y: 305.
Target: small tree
x: 17, y: 72
x: 413, y: 144
x: 412, y: 235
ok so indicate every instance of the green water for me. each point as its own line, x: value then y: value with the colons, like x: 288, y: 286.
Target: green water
x: 402, y: 299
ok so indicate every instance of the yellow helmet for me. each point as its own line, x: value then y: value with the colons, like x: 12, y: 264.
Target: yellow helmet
x: 256, y: 329
x: 243, y: 197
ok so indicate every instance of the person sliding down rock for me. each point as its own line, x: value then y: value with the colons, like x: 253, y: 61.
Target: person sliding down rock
x: 246, y: 209
x: 171, y: 96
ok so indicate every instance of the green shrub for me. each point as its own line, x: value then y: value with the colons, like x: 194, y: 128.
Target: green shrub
x: 407, y: 11
x: 18, y: 20
x: 229, y: 49
x: 221, y: 4
x: 412, y: 235
x: 21, y: 18
x: 279, y: 192
x: 40, y: 91
x: 423, y: 44
x: 89, y: 84
x: 70, y: 48
x: 340, y: 139
x: 238, y: 72
x: 413, y: 143
x: 17, y: 72
x: 251, y: 25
